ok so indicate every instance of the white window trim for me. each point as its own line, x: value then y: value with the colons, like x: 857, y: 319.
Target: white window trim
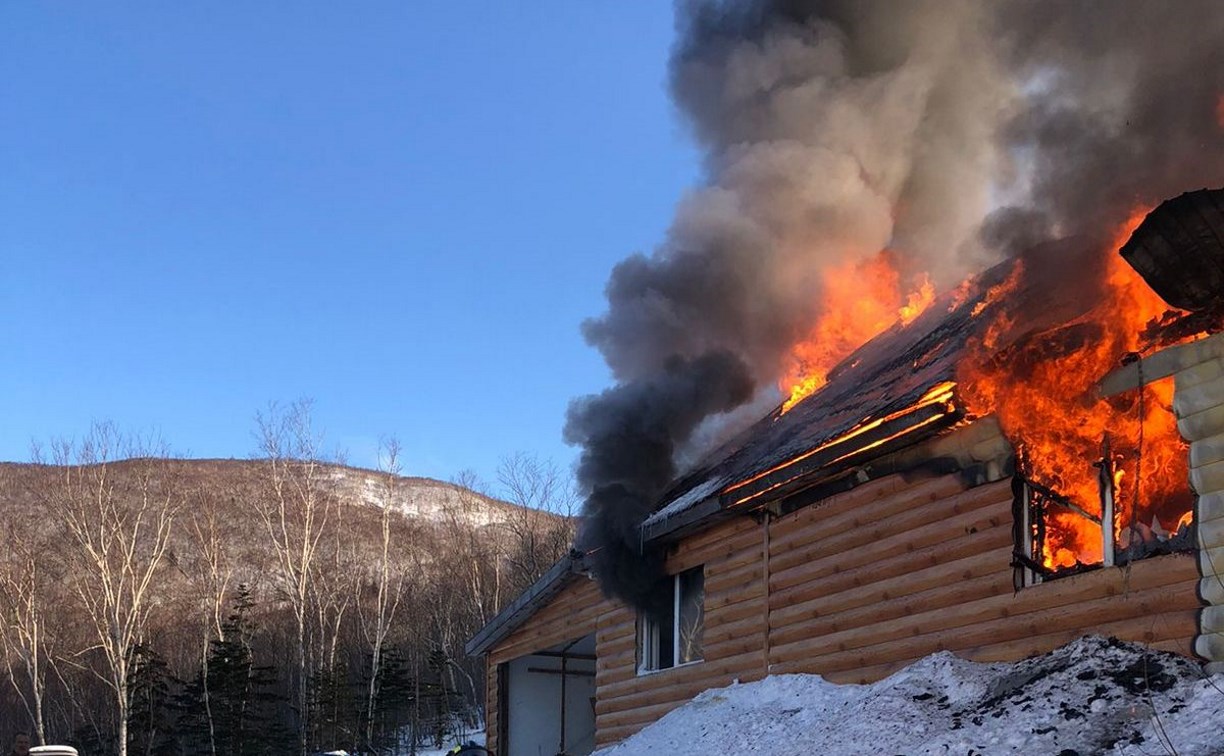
x: 649, y: 632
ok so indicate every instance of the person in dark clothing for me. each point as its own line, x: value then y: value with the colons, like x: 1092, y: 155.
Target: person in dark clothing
x: 21, y: 744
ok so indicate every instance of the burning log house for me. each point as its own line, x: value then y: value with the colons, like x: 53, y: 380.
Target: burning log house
x: 1003, y: 473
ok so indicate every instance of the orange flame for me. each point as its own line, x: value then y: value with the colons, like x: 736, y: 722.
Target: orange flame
x: 860, y: 300
x: 1043, y: 391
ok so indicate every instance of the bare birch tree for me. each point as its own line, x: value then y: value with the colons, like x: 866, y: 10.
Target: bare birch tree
x: 211, y: 569
x: 119, y: 526
x: 295, y: 513
x: 24, y: 628
x: 388, y: 585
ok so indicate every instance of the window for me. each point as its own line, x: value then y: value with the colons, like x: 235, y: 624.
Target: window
x: 672, y: 636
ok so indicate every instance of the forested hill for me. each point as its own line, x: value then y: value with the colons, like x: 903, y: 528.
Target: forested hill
x: 345, y: 595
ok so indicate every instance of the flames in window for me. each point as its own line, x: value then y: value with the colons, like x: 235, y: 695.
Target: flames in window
x: 1042, y: 388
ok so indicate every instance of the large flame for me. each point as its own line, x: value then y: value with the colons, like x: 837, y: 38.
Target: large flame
x: 860, y: 300
x: 1042, y: 390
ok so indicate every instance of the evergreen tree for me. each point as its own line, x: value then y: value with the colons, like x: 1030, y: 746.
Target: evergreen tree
x: 240, y: 697
x: 151, y: 710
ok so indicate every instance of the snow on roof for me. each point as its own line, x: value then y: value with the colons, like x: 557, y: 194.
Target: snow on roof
x: 1092, y: 696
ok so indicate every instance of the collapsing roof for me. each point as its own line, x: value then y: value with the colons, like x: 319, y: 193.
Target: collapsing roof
x: 894, y: 391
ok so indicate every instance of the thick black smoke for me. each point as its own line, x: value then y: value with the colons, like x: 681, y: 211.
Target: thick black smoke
x: 629, y: 435
x: 951, y: 132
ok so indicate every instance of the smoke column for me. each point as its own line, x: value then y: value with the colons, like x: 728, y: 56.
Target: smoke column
x: 951, y: 132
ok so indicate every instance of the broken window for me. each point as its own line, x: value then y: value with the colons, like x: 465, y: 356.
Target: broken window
x: 672, y: 635
x: 1104, y: 522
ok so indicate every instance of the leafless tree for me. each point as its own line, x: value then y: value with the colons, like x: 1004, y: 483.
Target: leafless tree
x: 24, y: 625
x: 542, y: 527
x: 376, y: 622
x: 120, y: 529
x: 295, y: 510
x: 210, y: 566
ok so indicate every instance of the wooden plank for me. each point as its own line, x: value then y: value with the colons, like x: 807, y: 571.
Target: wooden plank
x: 1080, y: 617
x: 866, y: 495
x: 676, y: 693
x: 745, y: 536
x: 1169, y: 634
x: 930, y: 523
x: 822, y: 619
x: 1080, y: 588
x: 844, y: 529
x: 715, y: 535
x: 749, y: 605
x: 828, y: 579
x: 718, y: 579
x: 723, y: 668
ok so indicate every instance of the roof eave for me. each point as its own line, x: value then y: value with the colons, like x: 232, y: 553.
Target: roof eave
x: 527, y: 603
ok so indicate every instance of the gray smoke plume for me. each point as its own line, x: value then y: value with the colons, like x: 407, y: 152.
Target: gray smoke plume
x: 951, y: 132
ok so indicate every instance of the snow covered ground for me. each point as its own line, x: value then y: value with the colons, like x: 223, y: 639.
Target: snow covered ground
x: 1092, y: 696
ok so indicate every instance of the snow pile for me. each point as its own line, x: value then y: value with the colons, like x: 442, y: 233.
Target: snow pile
x: 1092, y: 696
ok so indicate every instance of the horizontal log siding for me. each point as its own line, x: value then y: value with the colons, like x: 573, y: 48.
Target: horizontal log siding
x: 571, y: 614
x: 857, y: 587
x: 935, y: 576
x: 733, y: 642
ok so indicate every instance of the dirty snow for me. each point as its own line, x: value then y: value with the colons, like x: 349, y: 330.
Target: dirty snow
x: 1092, y: 696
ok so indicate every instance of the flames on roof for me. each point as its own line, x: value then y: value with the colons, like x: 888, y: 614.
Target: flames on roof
x: 1007, y: 343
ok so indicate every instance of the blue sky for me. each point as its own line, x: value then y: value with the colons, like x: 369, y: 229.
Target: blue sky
x: 400, y: 210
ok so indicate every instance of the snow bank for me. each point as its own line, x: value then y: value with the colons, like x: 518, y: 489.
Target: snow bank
x: 1092, y: 696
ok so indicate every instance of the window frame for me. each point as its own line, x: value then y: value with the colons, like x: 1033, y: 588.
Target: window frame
x: 650, y: 629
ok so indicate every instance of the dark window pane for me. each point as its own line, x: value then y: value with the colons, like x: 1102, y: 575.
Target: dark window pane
x: 691, y: 621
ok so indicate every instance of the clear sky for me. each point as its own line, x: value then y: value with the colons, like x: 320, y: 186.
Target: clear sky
x: 402, y: 210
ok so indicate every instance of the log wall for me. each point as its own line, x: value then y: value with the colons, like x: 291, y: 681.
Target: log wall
x: 900, y: 573
x: 573, y: 613
x: 857, y: 587
x: 1198, y: 400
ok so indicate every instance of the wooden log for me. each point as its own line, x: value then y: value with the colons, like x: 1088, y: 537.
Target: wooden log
x: 906, y: 568
x: 719, y: 577
x: 1169, y: 633
x: 1209, y: 478
x: 641, y: 715
x: 1211, y: 561
x: 723, y: 668
x: 747, y: 589
x: 1200, y: 425
x: 606, y: 736
x: 943, y: 596
x: 1205, y: 451
x: 1082, y: 617
x: 732, y: 612
x: 1208, y: 370
x: 988, y: 508
x: 842, y: 510
x: 732, y: 647
x: 729, y: 531
x: 1072, y: 590
x: 1176, y: 625
x: 617, y: 660
x: 538, y: 637
x: 944, y: 583
x: 1190, y: 400
x: 1209, y: 507
x: 744, y: 536
x: 722, y: 631
x: 619, y: 644
x: 857, y: 527
x: 677, y: 693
